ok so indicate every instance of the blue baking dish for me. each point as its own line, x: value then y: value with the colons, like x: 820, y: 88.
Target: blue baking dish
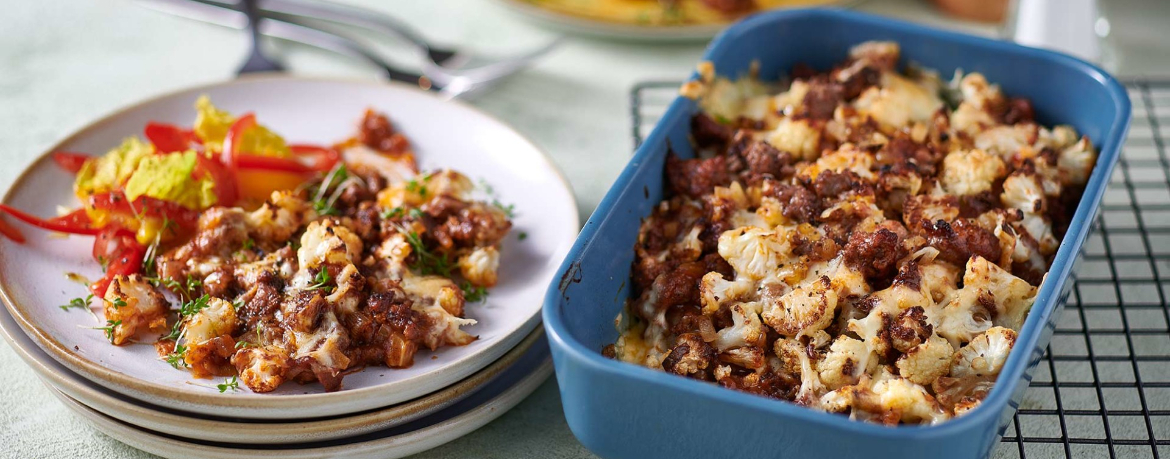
x: 620, y: 410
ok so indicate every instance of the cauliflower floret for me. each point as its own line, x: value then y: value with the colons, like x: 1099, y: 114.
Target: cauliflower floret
x: 279, y: 218
x: 788, y: 102
x: 480, y: 266
x: 131, y: 305
x: 912, y: 401
x: 795, y: 136
x: 690, y: 355
x: 1024, y: 192
x: 882, y: 54
x: 988, y: 291
x: 984, y: 355
x: 971, y: 171
x: 754, y: 252
x: 845, y: 362
x: 796, y: 361
x: 1076, y: 162
x: 208, y: 336
x: 262, y: 369
x: 971, y: 116
x: 1008, y: 141
x: 804, y: 310
x: 845, y: 158
x: 347, y: 296
x: 715, y: 291
x: 746, y: 328
x: 898, y: 102
x: 326, y: 242
x: 927, y: 361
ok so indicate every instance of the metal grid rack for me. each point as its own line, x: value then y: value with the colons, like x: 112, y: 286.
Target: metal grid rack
x: 1102, y: 388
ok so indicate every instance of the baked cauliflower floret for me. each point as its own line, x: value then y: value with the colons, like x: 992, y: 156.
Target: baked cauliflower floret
x: 1076, y: 162
x: 910, y: 401
x: 1008, y: 141
x: 690, y: 355
x: 984, y: 355
x: 746, y: 328
x: 754, y: 252
x: 795, y: 136
x: 131, y: 305
x: 988, y: 292
x: 324, y: 348
x: 326, y: 242
x: 804, y: 310
x: 846, y: 361
x: 971, y: 171
x: 898, y: 102
x: 715, y: 291
x: 797, y: 362
x: 208, y: 336
x: 925, y: 362
x: 262, y: 369
x: 279, y: 218
x: 480, y: 266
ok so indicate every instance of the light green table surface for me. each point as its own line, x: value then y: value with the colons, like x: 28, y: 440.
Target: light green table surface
x: 64, y: 63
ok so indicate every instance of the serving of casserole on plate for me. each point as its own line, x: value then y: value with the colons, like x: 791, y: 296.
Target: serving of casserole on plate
x: 216, y: 267
x: 859, y: 215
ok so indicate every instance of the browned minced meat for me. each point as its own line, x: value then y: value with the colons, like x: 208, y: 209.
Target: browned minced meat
x: 822, y: 99
x: 798, y: 202
x: 696, y: 177
x: 959, y: 240
x: 874, y: 254
x: 861, y: 80
x: 708, y: 132
x: 376, y: 132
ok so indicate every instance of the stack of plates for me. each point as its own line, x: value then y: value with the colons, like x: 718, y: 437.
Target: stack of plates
x: 130, y: 394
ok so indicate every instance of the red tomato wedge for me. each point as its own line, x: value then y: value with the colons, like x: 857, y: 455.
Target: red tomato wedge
x: 122, y: 254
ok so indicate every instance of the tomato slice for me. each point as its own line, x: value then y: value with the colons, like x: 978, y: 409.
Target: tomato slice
x: 235, y: 134
x: 268, y: 163
x: 324, y: 159
x: 70, y: 161
x: 168, y: 138
x: 122, y: 254
x: 73, y: 223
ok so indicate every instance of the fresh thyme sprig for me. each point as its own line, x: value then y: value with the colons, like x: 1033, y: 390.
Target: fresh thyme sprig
x: 473, y: 293
x: 232, y: 383
x: 427, y: 262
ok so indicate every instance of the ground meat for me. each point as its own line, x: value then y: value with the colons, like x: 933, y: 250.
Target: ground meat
x: 874, y: 254
x: 679, y: 286
x: 822, y: 99
x: 708, y: 132
x: 903, y: 153
x: 831, y: 184
x: 974, y: 205
x: 1013, y: 110
x: 377, y: 133
x: 696, y: 177
x: 859, y: 81
x: 797, y: 202
x: 959, y: 240
x: 476, y: 225
x: 764, y: 160
x: 802, y: 71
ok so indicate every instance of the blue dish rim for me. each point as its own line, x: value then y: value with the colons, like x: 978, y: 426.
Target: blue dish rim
x: 1109, y: 148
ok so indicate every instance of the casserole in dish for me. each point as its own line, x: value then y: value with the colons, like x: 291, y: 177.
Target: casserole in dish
x: 620, y: 410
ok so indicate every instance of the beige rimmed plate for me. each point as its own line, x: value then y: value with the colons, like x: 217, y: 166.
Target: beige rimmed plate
x: 445, y: 426
x: 444, y: 133
x: 235, y: 431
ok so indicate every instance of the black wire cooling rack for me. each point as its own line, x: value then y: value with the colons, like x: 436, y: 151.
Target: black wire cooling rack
x: 1102, y: 388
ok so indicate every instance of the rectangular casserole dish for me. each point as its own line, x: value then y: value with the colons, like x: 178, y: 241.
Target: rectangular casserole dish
x: 620, y: 410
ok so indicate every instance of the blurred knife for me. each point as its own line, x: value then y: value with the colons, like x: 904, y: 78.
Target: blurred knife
x: 235, y: 19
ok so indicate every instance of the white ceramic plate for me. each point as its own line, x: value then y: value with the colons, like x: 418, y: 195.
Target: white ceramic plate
x: 437, y: 429
x: 198, y: 427
x: 444, y: 134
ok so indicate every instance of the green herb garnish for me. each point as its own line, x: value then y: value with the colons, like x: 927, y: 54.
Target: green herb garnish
x: 79, y: 303
x: 473, y: 293
x: 321, y: 281
x: 427, y: 262
x: 232, y: 383
x: 176, y: 358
